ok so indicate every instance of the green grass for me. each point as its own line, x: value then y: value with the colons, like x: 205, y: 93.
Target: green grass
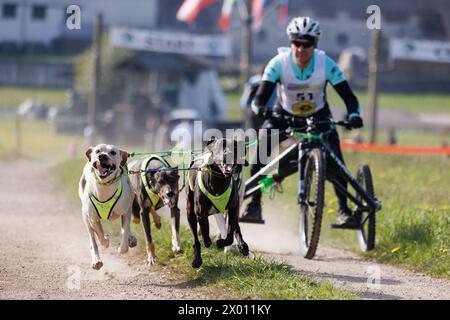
x: 413, y: 102
x: 405, y: 137
x: 11, y: 97
x: 226, y: 276
x: 415, y: 219
x: 39, y: 141
x: 257, y: 278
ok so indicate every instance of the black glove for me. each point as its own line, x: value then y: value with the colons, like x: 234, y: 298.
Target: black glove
x: 267, y: 113
x: 261, y: 112
x: 355, y: 121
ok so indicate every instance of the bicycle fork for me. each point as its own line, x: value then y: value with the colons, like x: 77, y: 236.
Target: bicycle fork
x: 302, y: 196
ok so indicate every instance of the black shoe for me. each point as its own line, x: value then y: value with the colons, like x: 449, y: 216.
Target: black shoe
x: 252, y: 213
x: 346, y: 219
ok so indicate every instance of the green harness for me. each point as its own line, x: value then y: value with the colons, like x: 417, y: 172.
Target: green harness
x: 154, y: 198
x: 104, y: 208
x: 220, y: 201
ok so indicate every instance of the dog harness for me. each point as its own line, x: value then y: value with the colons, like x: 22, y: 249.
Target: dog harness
x: 154, y: 198
x: 220, y: 201
x: 104, y: 208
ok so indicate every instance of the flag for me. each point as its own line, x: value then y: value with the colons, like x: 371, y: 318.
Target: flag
x: 225, y: 15
x: 283, y: 16
x: 191, y: 8
x: 258, y: 14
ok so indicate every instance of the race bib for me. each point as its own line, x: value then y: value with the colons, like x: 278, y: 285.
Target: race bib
x: 304, y: 108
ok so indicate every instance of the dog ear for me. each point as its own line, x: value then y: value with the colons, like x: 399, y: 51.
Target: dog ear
x: 151, y: 178
x: 124, y: 155
x: 88, y: 152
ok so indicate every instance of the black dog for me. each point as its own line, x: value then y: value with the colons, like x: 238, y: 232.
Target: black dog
x: 214, y: 186
x: 156, y: 186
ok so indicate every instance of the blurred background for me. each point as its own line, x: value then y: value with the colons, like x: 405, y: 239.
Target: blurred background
x: 160, y: 65
x: 130, y: 72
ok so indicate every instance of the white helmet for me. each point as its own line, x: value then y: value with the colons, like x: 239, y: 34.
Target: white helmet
x: 303, y: 26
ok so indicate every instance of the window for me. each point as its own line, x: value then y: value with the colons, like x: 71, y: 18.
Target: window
x: 9, y: 10
x: 38, y: 12
x: 342, y: 39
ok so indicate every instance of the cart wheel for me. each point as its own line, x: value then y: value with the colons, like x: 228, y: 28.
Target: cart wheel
x: 366, y: 233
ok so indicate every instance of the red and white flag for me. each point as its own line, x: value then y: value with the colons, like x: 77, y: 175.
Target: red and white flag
x: 283, y: 16
x: 258, y: 14
x: 191, y: 8
x: 226, y: 14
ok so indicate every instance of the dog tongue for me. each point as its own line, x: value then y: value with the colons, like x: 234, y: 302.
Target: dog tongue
x: 102, y: 170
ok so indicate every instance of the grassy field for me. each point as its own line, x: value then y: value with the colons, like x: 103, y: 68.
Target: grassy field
x: 38, y: 141
x: 413, y: 226
x: 414, y: 102
x: 228, y: 276
x: 11, y: 97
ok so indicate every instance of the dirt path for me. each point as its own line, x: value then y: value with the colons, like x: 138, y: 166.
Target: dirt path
x: 44, y: 252
x: 342, y: 268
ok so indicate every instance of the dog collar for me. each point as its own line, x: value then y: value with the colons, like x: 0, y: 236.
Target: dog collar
x: 220, y: 201
x: 154, y: 197
x: 104, y: 208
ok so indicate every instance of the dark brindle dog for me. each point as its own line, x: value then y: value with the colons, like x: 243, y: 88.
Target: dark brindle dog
x: 214, y: 182
x: 154, y: 189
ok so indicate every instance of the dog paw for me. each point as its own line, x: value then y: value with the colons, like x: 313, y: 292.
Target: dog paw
x: 196, y: 263
x: 97, y: 265
x: 243, y: 249
x: 151, y: 261
x: 122, y: 250
x: 132, y: 241
x: 176, y: 249
x: 136, y: 220
x: 105, y: 242
x: 158, y: 224
x: 220, y: 243
x: 207, y: 243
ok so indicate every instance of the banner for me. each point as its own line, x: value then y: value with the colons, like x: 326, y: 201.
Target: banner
x: 422, y: 50
x: 171, y: 42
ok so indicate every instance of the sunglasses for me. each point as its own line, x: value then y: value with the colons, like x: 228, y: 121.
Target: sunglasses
x: 305, y: 45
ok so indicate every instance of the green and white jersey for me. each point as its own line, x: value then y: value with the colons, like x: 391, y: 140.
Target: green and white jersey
x: 302, y: 91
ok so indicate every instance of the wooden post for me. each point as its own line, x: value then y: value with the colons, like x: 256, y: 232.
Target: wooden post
x: 93, y: 99
x: 372, y: 95
x: 246, y: 47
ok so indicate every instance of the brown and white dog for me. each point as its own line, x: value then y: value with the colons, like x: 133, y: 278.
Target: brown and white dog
x: 155, y: 187
x: 106, y: 194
